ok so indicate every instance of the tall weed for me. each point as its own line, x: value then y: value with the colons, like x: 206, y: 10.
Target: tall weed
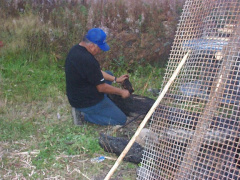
x: 54, y: 26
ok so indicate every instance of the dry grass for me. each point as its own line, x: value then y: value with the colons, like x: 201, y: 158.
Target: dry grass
x: 18, y: 156
x: 148, y: 27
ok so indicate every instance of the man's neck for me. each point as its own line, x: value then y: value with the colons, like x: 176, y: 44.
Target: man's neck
x: 85, y: 45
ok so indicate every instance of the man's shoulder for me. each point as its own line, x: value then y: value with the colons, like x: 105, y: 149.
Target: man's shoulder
x: 78, y: 52
x: 77, y: 48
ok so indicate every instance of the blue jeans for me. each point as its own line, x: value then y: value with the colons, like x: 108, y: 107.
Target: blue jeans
x: 105, y: 112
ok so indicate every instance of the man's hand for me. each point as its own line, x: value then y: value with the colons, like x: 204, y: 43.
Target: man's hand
x: 122, y: 78
x: 125, y: 94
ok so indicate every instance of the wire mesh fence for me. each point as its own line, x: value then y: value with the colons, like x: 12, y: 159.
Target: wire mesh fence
x: 197, y: 122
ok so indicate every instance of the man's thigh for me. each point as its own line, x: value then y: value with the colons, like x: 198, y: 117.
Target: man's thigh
x: 104, y: 113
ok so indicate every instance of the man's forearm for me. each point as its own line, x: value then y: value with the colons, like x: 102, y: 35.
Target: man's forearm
x: 108, y: 89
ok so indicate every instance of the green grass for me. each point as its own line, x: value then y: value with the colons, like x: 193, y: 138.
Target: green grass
x: 28, y: 81
x: 16, y: 130
x: 51, y: 139
x: 67, y: 140
x: 32, y: 95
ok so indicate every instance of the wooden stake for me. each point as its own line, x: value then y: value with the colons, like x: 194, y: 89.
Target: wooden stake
x: 149, y: 114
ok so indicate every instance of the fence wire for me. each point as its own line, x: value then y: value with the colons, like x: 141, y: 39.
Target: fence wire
x: 197, y: 122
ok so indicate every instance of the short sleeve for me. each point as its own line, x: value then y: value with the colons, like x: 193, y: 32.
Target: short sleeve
x: 94, y: 74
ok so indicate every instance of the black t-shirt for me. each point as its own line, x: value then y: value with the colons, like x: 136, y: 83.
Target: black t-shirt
x: 83, y: 74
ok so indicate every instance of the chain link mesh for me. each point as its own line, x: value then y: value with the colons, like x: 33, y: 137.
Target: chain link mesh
x: 197, y: 122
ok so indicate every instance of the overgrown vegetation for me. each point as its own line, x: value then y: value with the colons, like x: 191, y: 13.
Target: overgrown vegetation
x: 37, y: 138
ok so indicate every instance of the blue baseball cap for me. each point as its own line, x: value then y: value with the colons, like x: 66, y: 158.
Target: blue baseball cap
x: 98, y: 37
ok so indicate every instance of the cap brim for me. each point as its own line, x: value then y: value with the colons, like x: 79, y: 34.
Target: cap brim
x: 104, y: 47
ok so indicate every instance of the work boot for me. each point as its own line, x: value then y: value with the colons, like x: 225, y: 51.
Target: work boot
x: 78, y: 117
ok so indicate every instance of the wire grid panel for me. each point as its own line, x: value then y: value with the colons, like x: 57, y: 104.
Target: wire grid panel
x: 197, y: 122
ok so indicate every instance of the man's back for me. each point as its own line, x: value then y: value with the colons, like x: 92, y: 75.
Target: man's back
x: 83, y: 74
